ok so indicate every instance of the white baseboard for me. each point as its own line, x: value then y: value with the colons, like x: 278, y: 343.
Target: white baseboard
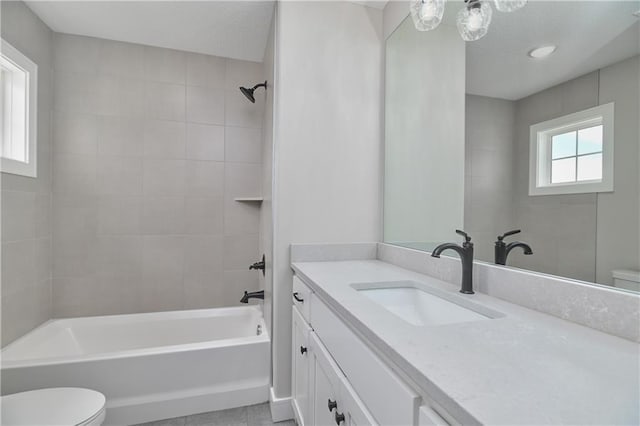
x: 281, y: 408
x: 158, y: 407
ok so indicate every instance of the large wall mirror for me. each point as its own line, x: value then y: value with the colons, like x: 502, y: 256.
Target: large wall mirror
x: 493, y: 136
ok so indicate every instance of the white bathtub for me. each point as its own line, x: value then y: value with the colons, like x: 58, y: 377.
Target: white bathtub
x: 149, y: 366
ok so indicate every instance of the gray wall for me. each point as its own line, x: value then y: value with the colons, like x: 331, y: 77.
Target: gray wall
x: 327, y: 141
x: 150, y: 148
x: 266, y: 210
x: 618, y: 216
x: 26, y: 226
x: 582, y: 236
x: 561, y: 229
x: 488, y: 189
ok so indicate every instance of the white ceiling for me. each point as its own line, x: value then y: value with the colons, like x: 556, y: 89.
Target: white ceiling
x: 589, y: 36
x: 376, y: 4
x: 233, y: 29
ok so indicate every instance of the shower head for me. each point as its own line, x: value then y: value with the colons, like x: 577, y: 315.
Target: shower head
x: 249, y: 92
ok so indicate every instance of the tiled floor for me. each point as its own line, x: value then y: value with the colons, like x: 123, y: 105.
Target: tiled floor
x: 253, y: 415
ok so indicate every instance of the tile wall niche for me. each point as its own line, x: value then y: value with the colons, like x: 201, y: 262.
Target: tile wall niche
x: 150, y: 148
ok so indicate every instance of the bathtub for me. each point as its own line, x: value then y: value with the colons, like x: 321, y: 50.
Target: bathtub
x: 149, y: 366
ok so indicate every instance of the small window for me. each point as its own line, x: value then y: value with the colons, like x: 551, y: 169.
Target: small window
x: 18, y: 112
x: 573, y: 154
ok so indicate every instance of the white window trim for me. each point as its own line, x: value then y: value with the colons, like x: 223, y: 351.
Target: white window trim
x: 540, y: 151
x: 29, y: 169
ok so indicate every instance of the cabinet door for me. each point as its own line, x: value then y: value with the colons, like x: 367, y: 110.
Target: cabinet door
x: 326, y: 386
x: 355, y: 412
x: 300, y: 363
x: 324, y: 393
x: 429, y: 417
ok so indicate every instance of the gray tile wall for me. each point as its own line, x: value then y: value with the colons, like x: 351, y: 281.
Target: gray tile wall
x: 26, y: 225
x: 489, y: 150
x: 151, y: 146
x: 562, y: 229
x: 618, y: 226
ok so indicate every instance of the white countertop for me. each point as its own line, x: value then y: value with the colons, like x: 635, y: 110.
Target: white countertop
x: 523, y: 368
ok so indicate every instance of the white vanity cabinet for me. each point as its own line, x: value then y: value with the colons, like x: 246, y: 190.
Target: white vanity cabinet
x: 300, y: 362
x: 334, y: 400
x: 338, y: 380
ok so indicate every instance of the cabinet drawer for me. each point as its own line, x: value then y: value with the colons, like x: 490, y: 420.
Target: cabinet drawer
x: 301, y: 297
x: 385, y: 395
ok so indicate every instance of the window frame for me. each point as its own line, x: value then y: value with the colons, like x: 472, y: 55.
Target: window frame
x: 8, y: 165
x: 540, y: 136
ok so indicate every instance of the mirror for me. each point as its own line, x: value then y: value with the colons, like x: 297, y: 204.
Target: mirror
x: 481, y: 136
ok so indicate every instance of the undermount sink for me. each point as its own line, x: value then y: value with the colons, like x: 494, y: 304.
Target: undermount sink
x: 419, y: 304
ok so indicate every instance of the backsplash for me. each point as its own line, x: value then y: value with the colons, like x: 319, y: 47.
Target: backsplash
x: 150, y: 148
x: 608, y: 310
x: 611, y: 311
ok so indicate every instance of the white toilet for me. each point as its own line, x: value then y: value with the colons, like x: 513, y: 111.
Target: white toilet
x: 627, y: 279
x: 54, y: 406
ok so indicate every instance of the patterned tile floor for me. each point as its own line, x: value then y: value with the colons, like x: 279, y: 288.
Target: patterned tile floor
x: 253, y: 415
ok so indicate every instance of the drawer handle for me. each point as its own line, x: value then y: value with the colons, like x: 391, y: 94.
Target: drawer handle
x: 303, y: 350
x: 295, y: 296
x: 332, y: 404
x: 339, y: 418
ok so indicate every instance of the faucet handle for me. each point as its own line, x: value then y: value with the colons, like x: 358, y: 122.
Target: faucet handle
x: 466, y: 236
x: 506, y: 234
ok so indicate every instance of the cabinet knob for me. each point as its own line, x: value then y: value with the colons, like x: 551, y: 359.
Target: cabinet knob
x: 303, y: 350
x: 339, y: 418
x: 331, y: 405
x: 299, y: 299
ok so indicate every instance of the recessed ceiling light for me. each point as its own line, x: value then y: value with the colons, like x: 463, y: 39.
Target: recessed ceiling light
x: 636, y: 13
x: 542, y: 51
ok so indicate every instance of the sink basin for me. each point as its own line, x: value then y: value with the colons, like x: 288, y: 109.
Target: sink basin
x: 419, y: 304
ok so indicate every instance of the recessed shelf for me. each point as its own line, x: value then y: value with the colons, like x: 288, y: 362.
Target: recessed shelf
x: 249, y: 199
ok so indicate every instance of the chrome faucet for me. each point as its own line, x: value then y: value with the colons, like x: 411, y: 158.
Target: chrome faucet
x: 465, y: 251
x: 502, y: 250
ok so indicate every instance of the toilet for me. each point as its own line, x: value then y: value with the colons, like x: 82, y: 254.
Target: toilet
x: 626, y: 279
x: 54, y: 406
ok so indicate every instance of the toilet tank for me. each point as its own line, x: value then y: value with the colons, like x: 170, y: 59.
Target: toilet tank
x: 626, y: 279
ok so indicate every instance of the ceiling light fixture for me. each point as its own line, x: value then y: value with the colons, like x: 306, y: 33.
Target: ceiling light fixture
x: 636, y: 13
x: 472, y: 21
x: 427, y: 14
x: 542, y: 51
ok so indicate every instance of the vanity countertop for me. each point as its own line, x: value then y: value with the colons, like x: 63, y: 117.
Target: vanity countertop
x: 523, y: 368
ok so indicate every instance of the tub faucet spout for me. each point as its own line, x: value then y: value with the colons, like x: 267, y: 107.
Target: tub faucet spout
x: 252, y: 295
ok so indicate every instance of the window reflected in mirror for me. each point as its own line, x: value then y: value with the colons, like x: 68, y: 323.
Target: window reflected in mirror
x: 550, y: 144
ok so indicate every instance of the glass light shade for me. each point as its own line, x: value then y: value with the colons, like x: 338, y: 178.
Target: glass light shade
x: 509, y: 5
x: 426, y: 14
x: 473, y: 21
